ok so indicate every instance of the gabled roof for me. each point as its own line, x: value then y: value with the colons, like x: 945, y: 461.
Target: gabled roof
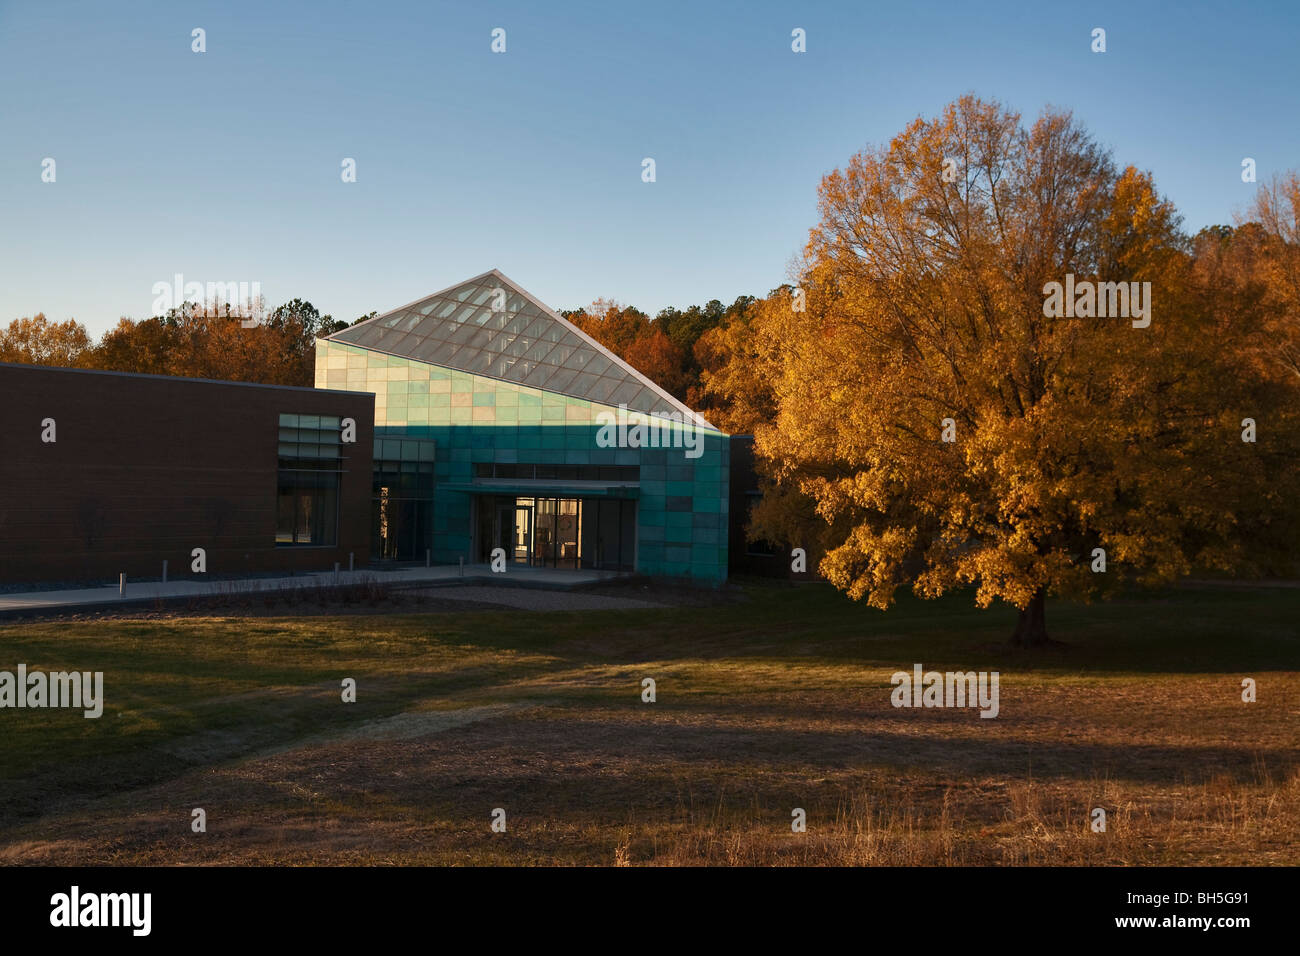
x: 523, y: 342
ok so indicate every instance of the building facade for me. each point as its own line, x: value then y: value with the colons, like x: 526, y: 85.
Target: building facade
x: 473, y: 424
x: 103, y: 473
x: 499, y: 424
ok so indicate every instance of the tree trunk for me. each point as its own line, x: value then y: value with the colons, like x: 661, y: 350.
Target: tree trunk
x: 1031, y: 629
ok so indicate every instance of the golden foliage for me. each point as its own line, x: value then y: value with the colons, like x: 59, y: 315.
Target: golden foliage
x: 925, y: 303
x: 38, y: 341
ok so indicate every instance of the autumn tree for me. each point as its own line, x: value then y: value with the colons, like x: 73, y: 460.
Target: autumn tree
x: 738, y: 361
x: 298, y: 324
x: 613, y: 325
x: 1263, y: 253
x: 38, y: 341
x: 950, y: 434
x: 660, y: 359
x: 687, y: 327
x: 663, y: 348
x: 141, y: 347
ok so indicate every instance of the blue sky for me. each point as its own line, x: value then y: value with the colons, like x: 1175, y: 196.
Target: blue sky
x: 225, y: 165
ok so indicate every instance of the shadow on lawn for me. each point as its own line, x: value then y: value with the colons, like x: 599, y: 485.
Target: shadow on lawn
x: 751, y: 751
x: 1209, y: 631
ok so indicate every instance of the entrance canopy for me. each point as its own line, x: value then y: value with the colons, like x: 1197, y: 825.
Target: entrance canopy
x: 547, y: 489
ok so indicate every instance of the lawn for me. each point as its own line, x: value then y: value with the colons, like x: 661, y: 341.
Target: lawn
x: 769, y: 698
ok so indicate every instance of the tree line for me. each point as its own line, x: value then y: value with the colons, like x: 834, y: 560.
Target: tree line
x: 280, y: 349
x: 187, y: 341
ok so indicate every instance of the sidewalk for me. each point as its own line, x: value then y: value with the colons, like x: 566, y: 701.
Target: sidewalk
x: 439, y: 575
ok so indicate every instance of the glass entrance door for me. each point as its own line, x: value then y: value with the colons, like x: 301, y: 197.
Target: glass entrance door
x: 524, y: 533
x: 514, y: 531
x: 570, y: 533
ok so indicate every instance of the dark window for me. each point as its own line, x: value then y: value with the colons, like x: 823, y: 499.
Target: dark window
x: 551, y: 472
x: 307, y: 507
x: 402, y: 499
x: 609, y: 534
x: 307, y: 487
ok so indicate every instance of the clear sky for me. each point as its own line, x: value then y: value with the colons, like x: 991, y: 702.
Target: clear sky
x: 225, y: 165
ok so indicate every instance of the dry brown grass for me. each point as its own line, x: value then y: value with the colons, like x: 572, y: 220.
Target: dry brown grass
x: 1219, y: 822
x: 551, y: 727
x: 622, y: 787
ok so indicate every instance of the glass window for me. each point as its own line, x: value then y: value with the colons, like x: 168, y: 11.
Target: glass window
x: 624, y: 394
x: 284, y: 515
x: 533, y: 328
x: 398, y: 340
x: 555, y: 472
x: 583, y: 384
x: 560, y: 379
x: 480, y: 362
x: 538, y: 376
x: 602, y: 390
x: 540, y: 349
x: 307, y: 493
x: 307, y: 508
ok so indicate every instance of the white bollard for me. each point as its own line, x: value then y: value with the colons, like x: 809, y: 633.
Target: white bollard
x: 350, y: 557
x: 428, y: 555
x: 164, y: 570
x: 121, y: 584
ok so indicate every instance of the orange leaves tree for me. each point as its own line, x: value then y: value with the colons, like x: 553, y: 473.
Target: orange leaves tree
x: 277, y: 349
x: 919, y: 316
x: 38, y: 341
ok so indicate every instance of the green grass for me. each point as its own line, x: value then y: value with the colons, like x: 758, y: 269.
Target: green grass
x: 776, y: 701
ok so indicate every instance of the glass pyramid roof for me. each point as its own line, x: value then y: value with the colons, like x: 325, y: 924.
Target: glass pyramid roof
x: 490, y: 326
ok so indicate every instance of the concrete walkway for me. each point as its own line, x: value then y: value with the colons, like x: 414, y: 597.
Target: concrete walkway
x: 438, y: 576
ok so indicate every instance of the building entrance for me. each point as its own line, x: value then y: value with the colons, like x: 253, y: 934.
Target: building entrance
x: 558, y: 532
